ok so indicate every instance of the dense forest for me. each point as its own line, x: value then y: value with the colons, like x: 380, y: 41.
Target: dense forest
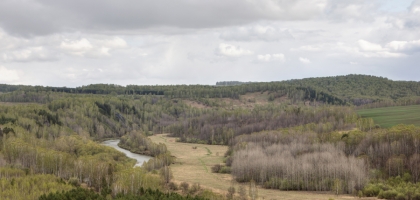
x: 299, y: 135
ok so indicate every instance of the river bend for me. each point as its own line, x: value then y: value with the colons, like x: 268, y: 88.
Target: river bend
x: 140, y: 158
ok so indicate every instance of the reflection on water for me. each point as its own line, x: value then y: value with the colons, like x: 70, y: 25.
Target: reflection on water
x: 140, y: 158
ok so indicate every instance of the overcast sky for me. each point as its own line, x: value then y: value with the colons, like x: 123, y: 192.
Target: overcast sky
x: 79, y: 42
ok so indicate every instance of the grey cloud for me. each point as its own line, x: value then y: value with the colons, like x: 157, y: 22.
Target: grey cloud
x: 27, y: 18
x: 40, y: 17
x: 256, y: 32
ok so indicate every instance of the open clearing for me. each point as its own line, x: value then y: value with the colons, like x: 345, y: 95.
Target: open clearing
x: 193, y: 165
x: 391, y: 116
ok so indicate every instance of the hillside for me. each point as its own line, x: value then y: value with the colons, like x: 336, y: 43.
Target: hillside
x: 361, y: 89
x: 55, y: 131
x: 338, y: 90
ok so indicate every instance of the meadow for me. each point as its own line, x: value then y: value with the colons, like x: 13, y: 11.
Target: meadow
x: 391, y: 116
x: 193, y: 165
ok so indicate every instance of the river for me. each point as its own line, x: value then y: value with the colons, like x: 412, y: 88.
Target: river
x: 140, y: 158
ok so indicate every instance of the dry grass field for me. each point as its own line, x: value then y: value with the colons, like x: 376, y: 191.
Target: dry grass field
x: 193, y: 165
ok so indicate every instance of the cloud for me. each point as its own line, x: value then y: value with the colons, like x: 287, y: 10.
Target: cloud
x: 8, y: 76
x: 271, y: 57
x: 304, y: 60
x: 349, y: 10
x: 29, y: 54
x: 404, y: 46
x: 415, y: 7
x: 84, y: 47
x: 375, y: 50
x: 256, y: 32
x: 35, y: 17
x: 168, y: 42
x: 368, y: 46
x: 232, y: 51
x: 77, y: 47
x: 307, y: 48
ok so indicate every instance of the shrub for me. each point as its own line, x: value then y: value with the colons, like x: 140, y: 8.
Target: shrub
x: 225, y: 170
x: 400, y: 196
x: 389, y: 194
x: 416, y: 196
x: 231, y: 192
x: 371, y: 190
x: 173, y: 186
x: 216, y: 168
x: 195, y: 188
x: 184, y: 187
x: 74, y: 181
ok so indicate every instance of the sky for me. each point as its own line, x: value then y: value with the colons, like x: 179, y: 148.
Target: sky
x: 165, y: 42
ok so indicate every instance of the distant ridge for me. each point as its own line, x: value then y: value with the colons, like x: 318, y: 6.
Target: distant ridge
x: 231, y: 83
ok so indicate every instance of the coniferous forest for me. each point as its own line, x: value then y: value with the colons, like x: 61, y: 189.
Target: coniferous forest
x: 302, y: 135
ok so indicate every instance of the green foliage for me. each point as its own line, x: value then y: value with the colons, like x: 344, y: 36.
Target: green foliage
x: 49, y: 118
x: 5, y: 120
x: 16, y: 185
x: 75, y: 194
x: 391, y: 116
x: 362, y: 89
x: 393, y: 188
x: 139, y: 143
x: 105, y: 109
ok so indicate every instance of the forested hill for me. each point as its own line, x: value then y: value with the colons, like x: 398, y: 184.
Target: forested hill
x: 356, y: 88
x: 339, y: 90
x: 231, y: 83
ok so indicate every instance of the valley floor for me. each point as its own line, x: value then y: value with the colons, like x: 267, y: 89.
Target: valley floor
x: 193, y: 165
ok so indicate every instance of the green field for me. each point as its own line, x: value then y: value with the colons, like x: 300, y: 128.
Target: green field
x: 391, y: 116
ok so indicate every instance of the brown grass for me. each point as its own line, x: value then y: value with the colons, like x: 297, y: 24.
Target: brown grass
x: 193, y: 165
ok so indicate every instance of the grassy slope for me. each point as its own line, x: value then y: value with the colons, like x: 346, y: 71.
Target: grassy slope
x: 194, y: 166
x: 390, y: 116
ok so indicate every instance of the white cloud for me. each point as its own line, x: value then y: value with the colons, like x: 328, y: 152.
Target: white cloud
x: 115, y: 43
x: 404, y: 46
x: 29, y: 54
x: 393, y: 49
x: 76, y: 47
x: 7, y: 75
x: 368, y: 46
x: 271, y: 57
x: 93, y: 47
x: 232, y: 51
x: 304, y: 60
x: 371, y: 50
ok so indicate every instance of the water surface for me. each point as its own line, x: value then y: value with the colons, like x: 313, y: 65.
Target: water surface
x: 140, y: 158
